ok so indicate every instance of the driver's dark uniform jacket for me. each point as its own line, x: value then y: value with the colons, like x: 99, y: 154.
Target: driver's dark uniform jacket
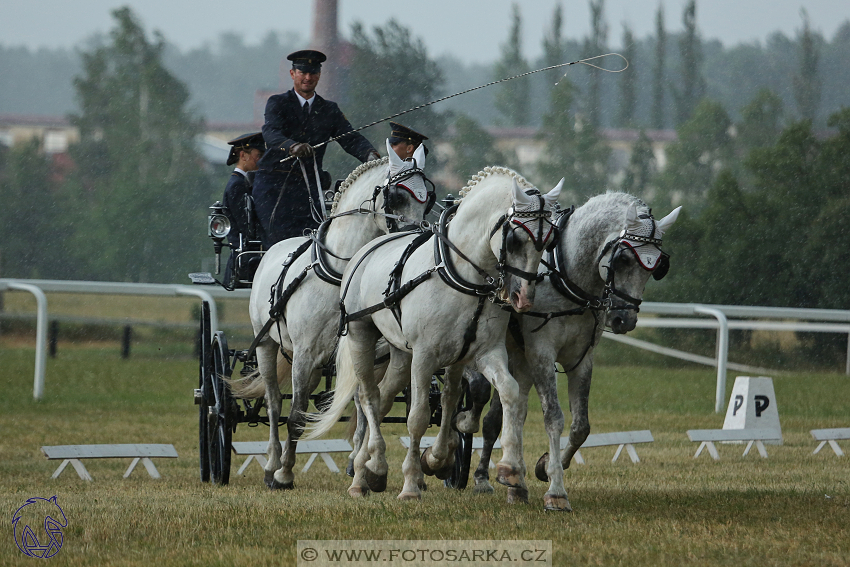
x: 286, y: 124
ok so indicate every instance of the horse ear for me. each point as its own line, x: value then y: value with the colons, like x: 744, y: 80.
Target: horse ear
x: 518, y: 195
x: 632, y: 221
x: 395, y: 161
x: 552, y: 196
x: 419, y: 156
x: 664, y: 224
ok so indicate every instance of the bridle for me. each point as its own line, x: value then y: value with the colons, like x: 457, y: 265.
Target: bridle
x: 397, y: 180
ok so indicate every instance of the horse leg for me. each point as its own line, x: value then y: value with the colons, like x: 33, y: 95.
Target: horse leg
x: 267, y: 364
x: 304, y: 381
x: 578, y: 383
x: 361, y: 343
x: 418, y: 419
x: 510, y: 470
x: 358, y: 435
x: 491, y: 427
x: 479, y: 390
x: 553, y: 420
x: 439, y: 458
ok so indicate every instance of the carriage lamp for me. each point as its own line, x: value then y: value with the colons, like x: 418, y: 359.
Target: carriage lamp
x: 219, y: 228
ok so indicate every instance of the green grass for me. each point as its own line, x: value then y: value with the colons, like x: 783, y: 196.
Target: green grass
x: 790, y: 509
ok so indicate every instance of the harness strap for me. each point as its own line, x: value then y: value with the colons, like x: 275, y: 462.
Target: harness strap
x: 395, y: 276
x: 388, y: 302
x: 471, y: 330
x: 445, y: 266
x: 280, y: 303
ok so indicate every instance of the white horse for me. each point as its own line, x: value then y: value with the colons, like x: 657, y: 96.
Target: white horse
x: 497, y: 238
x: 304, y: 328
x: 606, y: 252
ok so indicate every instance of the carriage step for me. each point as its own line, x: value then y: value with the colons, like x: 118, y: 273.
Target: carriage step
x: 202, y: 278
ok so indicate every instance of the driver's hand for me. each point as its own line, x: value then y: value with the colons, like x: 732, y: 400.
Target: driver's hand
x: 301, y: 150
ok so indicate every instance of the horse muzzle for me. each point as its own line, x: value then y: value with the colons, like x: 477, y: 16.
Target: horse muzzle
x: 621, y: 321
x: 521, y: 295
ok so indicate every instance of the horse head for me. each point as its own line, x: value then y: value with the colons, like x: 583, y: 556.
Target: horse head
x: 628, y: 259
x: 526, y: 232
x: 406, y: 193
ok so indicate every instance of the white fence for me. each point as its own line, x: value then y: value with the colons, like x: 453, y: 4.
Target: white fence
x: 722, y: 317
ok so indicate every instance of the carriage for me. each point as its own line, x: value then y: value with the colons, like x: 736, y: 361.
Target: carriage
x: 220, y: 411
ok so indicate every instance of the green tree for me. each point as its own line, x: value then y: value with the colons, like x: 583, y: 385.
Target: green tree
x: 595, y: 45
x: 692, y: 82
x: 573, y: 149
x: 641, y: 169
x: 659, y: 80
x: 553, y: 45
x: 807, y: 81
x: 761, y: 121
x: 139, y: 177
x: 513, y: 96
x: 34, y: 247
x: 629, y: 81
x: 473, y: 148
x: 704, y: 147
x: 407, y: 78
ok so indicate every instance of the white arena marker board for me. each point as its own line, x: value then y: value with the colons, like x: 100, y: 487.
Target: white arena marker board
x: 138, y: 452
x: 753, y: 405
x: 256, y: 450
x: 831, y: 436
x: 623, y: 439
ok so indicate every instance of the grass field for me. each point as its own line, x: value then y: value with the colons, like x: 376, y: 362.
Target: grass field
x: 790, y: 509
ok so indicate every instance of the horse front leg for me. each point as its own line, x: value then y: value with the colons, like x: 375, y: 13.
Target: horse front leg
x: 267, y: 364
x: 305, y: 378
x: 510, y: 470
x: 490, y: 430
x: 438, y: 460
x: 359, y: 433
x: 418, y: 419
x: 545, y: 382
x: 578, y: 383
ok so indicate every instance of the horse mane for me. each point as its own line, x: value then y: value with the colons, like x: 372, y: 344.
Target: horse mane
x: 605, y: 199
x: 494, y: 170
x: 353, y: 176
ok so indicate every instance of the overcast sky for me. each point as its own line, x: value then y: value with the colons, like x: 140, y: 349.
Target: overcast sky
x: 470, y: 30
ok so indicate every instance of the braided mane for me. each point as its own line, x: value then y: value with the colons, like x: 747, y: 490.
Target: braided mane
x: 494, y: 170
x: 353, y: 176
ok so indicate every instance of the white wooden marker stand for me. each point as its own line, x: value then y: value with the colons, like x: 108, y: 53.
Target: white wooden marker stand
x: 752, y: 405
x: 831, y: 436
x: 477, y: 445
x: 73, y: 453
x: 256, y: 450
x: 707, y: 438
x: 623, y: 439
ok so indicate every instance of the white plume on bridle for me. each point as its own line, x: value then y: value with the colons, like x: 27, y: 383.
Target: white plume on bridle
x: 415, y: 183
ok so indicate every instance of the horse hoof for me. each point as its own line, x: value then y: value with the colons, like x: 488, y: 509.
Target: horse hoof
x: 349, y: 470
x: 275, y: 485
x: 509, y: 476
x: 540, y: 468
x: 441, y: 474
x: 556, y: 504
x: 517, y: 495
x: 422, y: 486
x: 409, y: 496
x: 377, y: 483
x: 483, y: 487
x: 358, y: 491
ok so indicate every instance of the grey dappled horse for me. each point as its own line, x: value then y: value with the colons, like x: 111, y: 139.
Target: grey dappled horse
x: 306, y: 329
x: 501, y: 230
x: 611, y: 242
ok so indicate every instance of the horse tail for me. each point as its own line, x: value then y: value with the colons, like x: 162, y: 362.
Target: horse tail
x: 253, y: 387
x: 346, y: 386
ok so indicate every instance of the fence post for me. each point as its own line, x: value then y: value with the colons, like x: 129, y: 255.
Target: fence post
x: 53, y: 338
x: 126, y: 338
x: 722, y: 353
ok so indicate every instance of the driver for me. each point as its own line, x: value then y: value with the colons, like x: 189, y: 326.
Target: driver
x: 294, y: 122
x: 404, y: 140
x: 245, y: 153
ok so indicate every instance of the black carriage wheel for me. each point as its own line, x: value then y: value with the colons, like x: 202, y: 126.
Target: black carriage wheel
x: 220, y: 422
x: 463, y: 453
x: 204, y: 385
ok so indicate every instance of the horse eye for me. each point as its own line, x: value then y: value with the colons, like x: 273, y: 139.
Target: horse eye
x: 512, y: 242
x: 621, y: 261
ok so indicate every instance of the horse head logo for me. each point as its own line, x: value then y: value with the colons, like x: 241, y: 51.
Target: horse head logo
x: 39, y: 511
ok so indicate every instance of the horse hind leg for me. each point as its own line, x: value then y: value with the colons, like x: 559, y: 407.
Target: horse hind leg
x: 267, y: 364
x: 357, y: 433
x: 548, y: 469
x: 304, y: 381
x: 492, y: 425
x: 479, y: 390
